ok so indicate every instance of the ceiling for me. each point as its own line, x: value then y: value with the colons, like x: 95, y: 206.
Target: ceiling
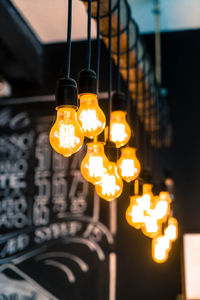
x: 48, y: 17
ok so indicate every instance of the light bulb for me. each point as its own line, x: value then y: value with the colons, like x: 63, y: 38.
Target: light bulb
x: 151, y: 228
x: 144, y: 202
x: 134, y: 213
x: 120, y: 131
x: 171, y: 232
x: 147, y: 192
x: 128, y: 165
x: 160, y: 249
x: 161, y: 208
x: 95, y: 162
x: 90, y: 115
x: 110, y: 185
x: 66, y: 136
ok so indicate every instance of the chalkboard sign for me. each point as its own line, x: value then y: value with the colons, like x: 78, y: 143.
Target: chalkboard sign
x: 56, y: 235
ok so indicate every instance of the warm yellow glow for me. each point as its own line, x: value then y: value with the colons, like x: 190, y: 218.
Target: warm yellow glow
x: 134, y: 213
x: 128, y: 165
x: 147, y: 191
x: 160, y: 249
x: 151, y: 228
x: 66, y: 136
x: 110, y: 185
x: 95, y: 162
x: 90, y: 116
x: 144, y: 202
x: 171, y: 232
x: 160, y: 210
x: 120, y: 131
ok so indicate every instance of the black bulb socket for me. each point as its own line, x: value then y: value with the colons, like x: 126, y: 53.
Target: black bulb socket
x: 111, y: 151
x: 66, y: 92
x: 119, y: 101
x: 87, y: 82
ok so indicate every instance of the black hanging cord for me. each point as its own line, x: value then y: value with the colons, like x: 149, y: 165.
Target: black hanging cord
x: 98, y: 42
x: 89, y: 32
x: 69, y: 27
x: 144, y: 113
x: 136, y: 96
x: 110, y: 63
x: 118, y: 46
x: 128, y: 75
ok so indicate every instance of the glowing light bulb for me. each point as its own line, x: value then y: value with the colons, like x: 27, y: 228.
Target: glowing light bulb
x: 120, y: 131
x: 66, y: 136
x: 151, y: 228
x: 90, y: 115
x: 134, y: 214
x: 110, y: 185
x: 147, y: 192
x: 160, y: 249
x: 128, y: 165
x: 95, y: 162
x: 171, y: 232
x: 161, y: 208
x: 144, y: 202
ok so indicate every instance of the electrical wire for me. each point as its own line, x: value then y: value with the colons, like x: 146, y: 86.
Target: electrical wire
x: 69, y: 29
x: 144, y: 112
x: 136, y: 96
x: 98, y: 42
x: 89, y: 32
x: 118, y: 47
x: 110, y: 63
x: 128, y: 75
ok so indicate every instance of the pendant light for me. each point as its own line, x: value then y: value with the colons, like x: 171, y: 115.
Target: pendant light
x: 120, y: 131
x: 90, y: 115
x: 111, y: 185
x: 95, y: 163
x: 171, y: 232
x: 128, y: 165
x: 66, y: 136
x: 161, y: 246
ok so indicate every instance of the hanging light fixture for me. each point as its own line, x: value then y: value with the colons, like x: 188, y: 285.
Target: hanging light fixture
x: 128, y: 165
x: 160, y: 249
x: 90, y: 115
x: 135, y: 213
x: 110, y: 186
x: 66, y: 136
x: 120, y: 131
x: 95, y: 163
x: 171, y: 232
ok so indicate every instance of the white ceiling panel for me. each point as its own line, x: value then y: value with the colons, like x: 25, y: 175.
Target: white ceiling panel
x: 48, y: 19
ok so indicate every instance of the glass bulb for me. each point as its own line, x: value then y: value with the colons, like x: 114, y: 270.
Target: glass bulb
x: 160, y: 249
x: 171, y: 232
x: 110, y: 185
x: 147, y: 192
x: 134, y: 213
x: 66, y: 136
x: 120, y: 131
x: 90, y: 115
x: 161, y: 209
x: 128, y: 165
x: 95, y: 162
x: 151, y: 228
